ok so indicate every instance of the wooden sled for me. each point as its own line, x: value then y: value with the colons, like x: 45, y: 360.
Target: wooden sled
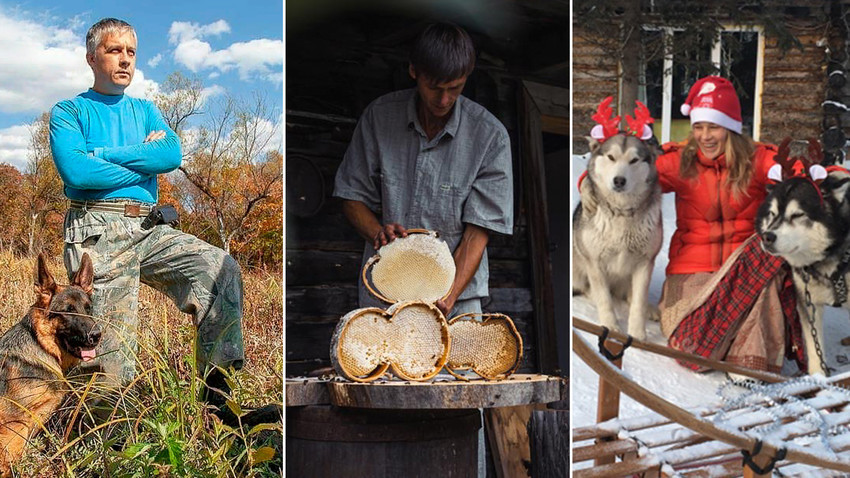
x: 706, y: 441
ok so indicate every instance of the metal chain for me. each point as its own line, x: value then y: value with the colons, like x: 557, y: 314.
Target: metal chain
x: 839, y: 280
x: 811, y: 319
x: 840, y: 286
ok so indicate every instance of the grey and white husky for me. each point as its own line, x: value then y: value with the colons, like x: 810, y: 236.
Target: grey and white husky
x: 808, y: 225
x: 617, y: 230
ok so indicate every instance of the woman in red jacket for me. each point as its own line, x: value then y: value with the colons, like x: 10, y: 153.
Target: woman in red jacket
x: 721, y: 300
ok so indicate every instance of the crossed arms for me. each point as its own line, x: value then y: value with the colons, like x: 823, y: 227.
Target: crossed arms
x: 110, y: 167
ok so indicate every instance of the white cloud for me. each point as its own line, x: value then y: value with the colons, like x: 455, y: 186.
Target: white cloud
x: 142, y: 87
x: 13, y: 145
x: 270, y: 130
x: 192, y: 54
x: 41, y: 64
x: 206, y: 93
x: 260, y: 58
x: 184, y: 31
x: 190, y: 138
x: 277, y: 143
x: 211, y: 91
x: 155, y: 60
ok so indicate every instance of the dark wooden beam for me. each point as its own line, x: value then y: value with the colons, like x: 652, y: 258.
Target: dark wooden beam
x: 534, y: 184
x: 555, y: 125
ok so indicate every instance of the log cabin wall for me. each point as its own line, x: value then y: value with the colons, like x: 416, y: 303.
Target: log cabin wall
x: 794, y: 86
x: 335, y: 67
x: 595, y: 76
x: 794, y: 81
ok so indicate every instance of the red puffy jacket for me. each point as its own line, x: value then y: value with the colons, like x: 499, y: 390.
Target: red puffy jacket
x: 710, y: 222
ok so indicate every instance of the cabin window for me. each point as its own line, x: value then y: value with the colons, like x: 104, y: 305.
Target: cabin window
x: 736, y: 53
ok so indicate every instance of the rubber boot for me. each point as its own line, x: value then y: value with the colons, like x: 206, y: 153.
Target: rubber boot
x: 216, y: 391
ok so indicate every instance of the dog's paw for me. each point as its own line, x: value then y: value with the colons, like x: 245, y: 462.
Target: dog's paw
x: 638, y: 331
x: 609, y: 321
x: 815, y: 367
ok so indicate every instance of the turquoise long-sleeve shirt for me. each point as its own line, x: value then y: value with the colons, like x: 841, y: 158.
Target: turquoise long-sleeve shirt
x: 99, y: 150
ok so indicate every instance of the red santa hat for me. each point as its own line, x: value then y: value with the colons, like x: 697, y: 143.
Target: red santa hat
x: 713, y: 99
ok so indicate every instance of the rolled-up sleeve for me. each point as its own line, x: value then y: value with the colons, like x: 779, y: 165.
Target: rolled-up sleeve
x: 358, y: 177
x: 491, y: 200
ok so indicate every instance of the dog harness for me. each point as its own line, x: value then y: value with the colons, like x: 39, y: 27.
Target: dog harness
x: 837, y: 278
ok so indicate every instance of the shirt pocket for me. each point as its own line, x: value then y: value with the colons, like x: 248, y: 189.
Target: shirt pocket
x: 449, y: 199
x: 394, y: 194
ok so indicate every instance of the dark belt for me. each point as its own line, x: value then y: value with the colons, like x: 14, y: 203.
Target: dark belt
x: 127, y: 208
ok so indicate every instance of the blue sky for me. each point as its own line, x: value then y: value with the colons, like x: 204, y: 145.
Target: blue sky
x: 234, y: 49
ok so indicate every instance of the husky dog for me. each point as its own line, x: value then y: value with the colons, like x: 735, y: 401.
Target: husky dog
x: 617, y: 229
x: 807, y: 224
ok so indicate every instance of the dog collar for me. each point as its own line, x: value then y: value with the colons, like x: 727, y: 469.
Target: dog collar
x: 581, y: 180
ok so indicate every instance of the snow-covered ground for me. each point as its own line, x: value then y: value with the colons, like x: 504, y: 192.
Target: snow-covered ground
x: 659, y: 374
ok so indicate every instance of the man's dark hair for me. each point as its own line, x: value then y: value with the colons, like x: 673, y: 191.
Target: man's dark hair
x: 443, y: 52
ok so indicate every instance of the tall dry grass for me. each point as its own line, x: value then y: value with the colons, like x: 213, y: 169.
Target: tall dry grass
x: 156, y: 426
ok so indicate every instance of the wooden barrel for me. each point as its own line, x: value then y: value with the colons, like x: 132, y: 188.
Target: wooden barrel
x: 326, y: 441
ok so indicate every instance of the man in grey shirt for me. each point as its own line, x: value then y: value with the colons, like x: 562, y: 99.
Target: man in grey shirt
x: 430, y: 158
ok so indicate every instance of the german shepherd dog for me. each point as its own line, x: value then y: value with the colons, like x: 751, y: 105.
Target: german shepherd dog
x: 55, y: 335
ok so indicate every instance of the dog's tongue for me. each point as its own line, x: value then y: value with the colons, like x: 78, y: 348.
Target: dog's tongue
x: 87, y: 355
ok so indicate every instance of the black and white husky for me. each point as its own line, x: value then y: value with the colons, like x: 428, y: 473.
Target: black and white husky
x: 617, y: 230
x: 807, y: 224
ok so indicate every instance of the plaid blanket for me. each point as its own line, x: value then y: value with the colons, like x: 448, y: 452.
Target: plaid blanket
x: 710, y: 324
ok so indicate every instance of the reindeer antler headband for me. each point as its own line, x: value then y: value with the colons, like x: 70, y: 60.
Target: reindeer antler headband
x: 608, y: 125
x: 809, y: 166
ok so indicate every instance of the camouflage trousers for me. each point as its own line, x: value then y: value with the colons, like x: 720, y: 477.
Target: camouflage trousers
x: 201, y: 279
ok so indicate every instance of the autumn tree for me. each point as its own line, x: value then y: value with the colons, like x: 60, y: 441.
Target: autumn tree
x: 11, y: 208
x: 261, y: 238
x: 227, y: 157
x: 179, y: 98
x: 43, y: 192
x: 230, y: 166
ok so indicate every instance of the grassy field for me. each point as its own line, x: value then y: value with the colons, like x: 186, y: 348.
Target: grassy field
x: 156, y: 427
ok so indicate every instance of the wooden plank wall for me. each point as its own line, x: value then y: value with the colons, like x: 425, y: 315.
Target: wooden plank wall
x: 793, y: 88
x: 323, y: 251
x: 594, y: 78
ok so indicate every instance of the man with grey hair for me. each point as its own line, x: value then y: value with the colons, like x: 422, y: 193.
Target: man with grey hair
x: 109, y: 149
x: 431, y: 158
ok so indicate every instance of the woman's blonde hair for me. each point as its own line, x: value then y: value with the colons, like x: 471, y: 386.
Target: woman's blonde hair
x: 739, y: 160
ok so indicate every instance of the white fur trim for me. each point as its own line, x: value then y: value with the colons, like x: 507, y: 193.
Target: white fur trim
x: 817, y: 172
x: 716, y: 117
x: 685, y: 109
x: 775, y: 173
x: 597, y: 132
